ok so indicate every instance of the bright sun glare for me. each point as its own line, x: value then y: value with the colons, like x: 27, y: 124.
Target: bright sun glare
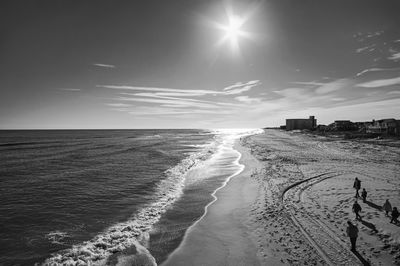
x: 232, y: 31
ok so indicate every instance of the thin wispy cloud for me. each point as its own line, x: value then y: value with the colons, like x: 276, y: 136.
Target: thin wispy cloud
x: 155, y: 95
x: 104, y: 65
x: 68, y: 89
x: 322, y: 87
x: 380, y: 83
x: 118, y: 104
x: 181, y: 103
x: 170, y: 110
x: 154, y: 101
x: 234, y: 89
x: 333, y: 86
x: 369, y: 48
x: 338, y: 99
x: 248, y: 100
x: 290, y: 93
x: 376, y: 70
x: 155, y: 89
x: 251, y: 83
x: 310, y: 83
x: 394, y: 56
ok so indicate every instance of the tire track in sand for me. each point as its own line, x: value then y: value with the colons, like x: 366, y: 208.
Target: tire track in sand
x: 331, y: 248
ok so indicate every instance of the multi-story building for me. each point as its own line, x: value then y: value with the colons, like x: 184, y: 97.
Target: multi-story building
x: 307, y: 123
x: 389, y: 126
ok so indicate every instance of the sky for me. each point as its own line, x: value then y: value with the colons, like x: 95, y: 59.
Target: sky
x: 80, y: 64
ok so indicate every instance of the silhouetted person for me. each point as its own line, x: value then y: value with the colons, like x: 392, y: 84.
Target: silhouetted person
x: 364, y: 195
x: 387, y: 207
x: 395, y: 215
x: 357, y: 186
x: 357, y: 209
x: 352, y: 232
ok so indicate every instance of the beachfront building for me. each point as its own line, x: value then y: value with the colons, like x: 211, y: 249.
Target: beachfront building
x: 301, y: 123
x: 343, y: 125
x: 390, y: 127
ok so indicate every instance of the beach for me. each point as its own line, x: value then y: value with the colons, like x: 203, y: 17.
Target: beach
x: 291, y: 203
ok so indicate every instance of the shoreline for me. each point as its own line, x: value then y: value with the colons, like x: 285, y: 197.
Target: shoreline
x: 215, y: 198
x: 223, y: 235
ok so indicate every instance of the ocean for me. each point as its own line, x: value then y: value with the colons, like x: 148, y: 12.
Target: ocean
x: 107, y: 197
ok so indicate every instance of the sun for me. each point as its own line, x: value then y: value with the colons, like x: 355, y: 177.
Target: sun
x: 232, y: 31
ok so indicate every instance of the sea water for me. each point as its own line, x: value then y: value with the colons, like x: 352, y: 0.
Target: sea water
x: 106, y: 197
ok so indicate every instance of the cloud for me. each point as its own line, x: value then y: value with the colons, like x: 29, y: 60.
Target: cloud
x: 69, y: 89
x: 376, y: 70
x: 155, y: 89
x: 247, y: 99
x: 321, y: 87
x: 310, y: 83
x: 374, y: 34
x: 338, y: 99
x: 298, y: 93
x: 380, y: 83
x: 155, y: 95
x: 104, y: 65
x: 241, y: 87
x: 118, y: 104
x: 166, y: 111
x: 177, y: 94
x: 333, y: 86
x: 178, y: 102
x: 363, y: 49
x: 182, y: 102
x: 395, y: 56
x: 237, y: 88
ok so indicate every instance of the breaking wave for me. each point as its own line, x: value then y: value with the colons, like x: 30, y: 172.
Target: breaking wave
x: 57, y: 237
x: 133, y: 233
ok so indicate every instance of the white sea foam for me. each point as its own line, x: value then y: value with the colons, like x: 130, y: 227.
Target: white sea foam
x: 135, y: 231
x: 57, y: 237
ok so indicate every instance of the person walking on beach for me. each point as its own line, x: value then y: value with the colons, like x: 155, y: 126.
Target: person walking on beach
x: 387, y: 207
x: 395, y: 215
x: 364, y: 195
x: 352, y: 232
x: 357, y: 186
x: 356, y: 210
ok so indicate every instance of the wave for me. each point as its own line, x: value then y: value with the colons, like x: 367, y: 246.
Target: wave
x: 57, y: 237
x: 133, y: 233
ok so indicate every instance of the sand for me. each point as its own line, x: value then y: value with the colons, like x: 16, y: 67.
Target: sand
x: 291, y: 203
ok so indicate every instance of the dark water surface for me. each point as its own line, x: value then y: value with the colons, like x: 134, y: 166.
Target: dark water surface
x: 62, y: 188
